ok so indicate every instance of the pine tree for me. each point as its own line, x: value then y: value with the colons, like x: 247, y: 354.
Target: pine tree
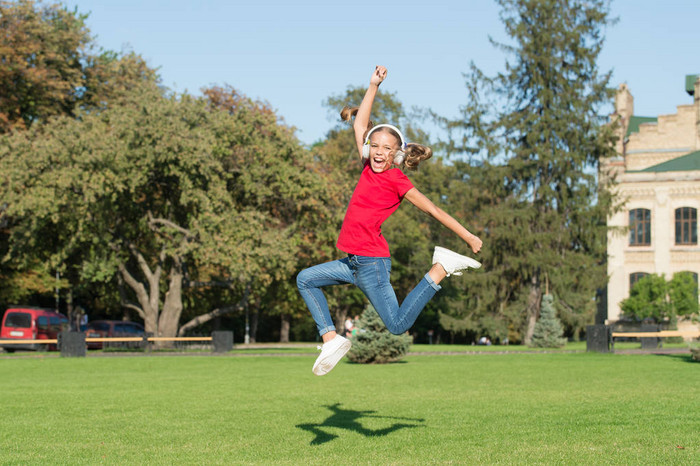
x: 534, y: 136
x: 548, y: 330
x: 373, y: 343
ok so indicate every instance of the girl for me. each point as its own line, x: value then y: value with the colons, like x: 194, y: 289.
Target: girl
x: 378, y: 194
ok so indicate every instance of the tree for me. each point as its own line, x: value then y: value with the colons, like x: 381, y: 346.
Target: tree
x: 534, y: 140
x: 374, y: 344
x: 548, y: 330
x: 163, y: 191
x: 50, y: 66
x: 683, y: 294
x: 653, y: 297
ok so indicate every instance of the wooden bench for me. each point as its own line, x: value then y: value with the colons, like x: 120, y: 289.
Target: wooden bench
x: 659, y: 334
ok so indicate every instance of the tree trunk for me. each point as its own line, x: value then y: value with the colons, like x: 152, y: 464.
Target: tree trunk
x: 284, y: 328
x: 169, y: 318
x: 216, y: 313
x: 253, y: 325
x: 146, y: 311
x: 341, y: 316
x: 533, y: 307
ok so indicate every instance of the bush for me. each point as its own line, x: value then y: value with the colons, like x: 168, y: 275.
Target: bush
x: 548, y: 330
x: 373, y: 343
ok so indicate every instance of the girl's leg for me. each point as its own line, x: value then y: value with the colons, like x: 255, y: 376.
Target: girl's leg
x: 310, y: 281
x: 373, y: 278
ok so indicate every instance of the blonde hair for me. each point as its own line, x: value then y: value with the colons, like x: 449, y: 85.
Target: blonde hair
x: 415, y: 153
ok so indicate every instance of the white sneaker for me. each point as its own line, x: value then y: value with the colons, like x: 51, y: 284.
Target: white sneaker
x: 452, y: 262
x: 331, y: 353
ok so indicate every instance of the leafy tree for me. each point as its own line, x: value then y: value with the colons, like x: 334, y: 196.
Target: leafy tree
x: 162, y: 191
x: 653, y: 297
x: 374, y: 344
x: 534, y: 139
x: 50, y: 66
x: 683, y: 294
x: 548, y: 330
x: 648, y: 299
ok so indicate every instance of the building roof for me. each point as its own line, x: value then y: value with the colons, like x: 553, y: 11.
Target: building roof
x: 635, y: 121
x: 685, y: 163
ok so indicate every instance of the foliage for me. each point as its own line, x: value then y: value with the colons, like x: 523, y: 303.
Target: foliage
x: 161, y: 191
x: 548, y: 330
x: 653, y: 297
x: 51, y: 69
x: 533, y: 139
x: 50, y: 66
x: 373, y: 343
x: 683, y: 294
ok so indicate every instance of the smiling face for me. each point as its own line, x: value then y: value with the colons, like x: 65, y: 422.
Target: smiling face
x: 382, y: 148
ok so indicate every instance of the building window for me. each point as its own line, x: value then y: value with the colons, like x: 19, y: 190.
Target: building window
x: 640, y: 227
x: 686, y: 225
x: 635, y: 277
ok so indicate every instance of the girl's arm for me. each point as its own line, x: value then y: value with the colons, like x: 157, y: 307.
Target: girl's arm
x: 363, y: 113
x: 419, y: 200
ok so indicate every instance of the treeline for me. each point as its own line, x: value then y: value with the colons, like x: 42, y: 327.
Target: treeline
x: 192, y: 213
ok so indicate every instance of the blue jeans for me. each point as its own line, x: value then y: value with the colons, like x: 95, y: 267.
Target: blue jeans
x: 372, y: 276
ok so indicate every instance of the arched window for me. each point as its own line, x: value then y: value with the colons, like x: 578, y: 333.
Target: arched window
x: 686, y: 225
x: 640, y: 227
x: 635, y: 277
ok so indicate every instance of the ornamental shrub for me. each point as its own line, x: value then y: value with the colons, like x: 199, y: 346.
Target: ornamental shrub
x: 373, y: 343
x: 548, y: 330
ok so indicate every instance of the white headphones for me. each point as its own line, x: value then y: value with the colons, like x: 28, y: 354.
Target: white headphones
x: 398, y: 157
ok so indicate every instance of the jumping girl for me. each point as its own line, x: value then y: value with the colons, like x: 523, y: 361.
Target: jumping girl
x: 378, y: 194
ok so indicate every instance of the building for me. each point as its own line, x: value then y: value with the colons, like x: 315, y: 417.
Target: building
x: 658, y: 180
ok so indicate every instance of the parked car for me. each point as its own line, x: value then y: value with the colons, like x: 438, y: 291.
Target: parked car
x: 31, y: 323
x: 113, y: 329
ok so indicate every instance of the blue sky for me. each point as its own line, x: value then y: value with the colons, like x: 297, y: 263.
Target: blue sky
x: 296, y: 54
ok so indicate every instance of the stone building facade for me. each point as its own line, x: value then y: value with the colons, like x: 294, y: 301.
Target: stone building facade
x: 658, y: 181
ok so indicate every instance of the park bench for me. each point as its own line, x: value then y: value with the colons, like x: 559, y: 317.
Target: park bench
x: 655, y: 335
x: 601, y: 338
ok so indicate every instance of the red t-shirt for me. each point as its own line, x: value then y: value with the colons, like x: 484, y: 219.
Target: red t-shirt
x: 376, y: 197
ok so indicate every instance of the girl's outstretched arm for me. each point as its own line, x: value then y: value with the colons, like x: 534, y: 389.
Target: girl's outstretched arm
x: 419, y: 200
x: 363, y: 113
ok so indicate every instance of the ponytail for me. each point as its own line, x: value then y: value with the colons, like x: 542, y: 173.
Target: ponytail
x: 347, y: 113
x: 415, y: 154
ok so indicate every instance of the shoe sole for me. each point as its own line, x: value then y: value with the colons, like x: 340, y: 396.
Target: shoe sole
x: 471, y: 262
x: 327, y: 365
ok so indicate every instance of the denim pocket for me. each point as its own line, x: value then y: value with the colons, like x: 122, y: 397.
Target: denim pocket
x: 363, y: 261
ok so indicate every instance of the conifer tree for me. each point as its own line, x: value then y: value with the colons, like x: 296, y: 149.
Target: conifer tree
x: 534, y: 137
x: 374, y: 344
x: 548, y: 330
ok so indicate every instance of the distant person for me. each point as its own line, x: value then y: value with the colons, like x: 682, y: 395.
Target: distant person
x: 382, y: 186
x: 355, y: 324
x: 349, y: 326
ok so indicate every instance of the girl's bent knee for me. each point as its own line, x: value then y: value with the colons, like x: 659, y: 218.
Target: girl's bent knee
x: 302, y: 278
x: 395, y: 329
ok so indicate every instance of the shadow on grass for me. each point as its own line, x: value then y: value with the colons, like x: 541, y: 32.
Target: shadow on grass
x: 681, y: 357
x: 350, y: 420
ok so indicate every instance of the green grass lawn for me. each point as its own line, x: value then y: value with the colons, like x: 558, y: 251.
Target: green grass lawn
x: 520, y: 408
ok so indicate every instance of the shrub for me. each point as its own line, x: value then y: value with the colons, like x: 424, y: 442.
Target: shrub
x: 548, y: 330
x: 373, y: 343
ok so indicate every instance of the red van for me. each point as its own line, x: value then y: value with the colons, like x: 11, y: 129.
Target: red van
x: 31, y: 323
